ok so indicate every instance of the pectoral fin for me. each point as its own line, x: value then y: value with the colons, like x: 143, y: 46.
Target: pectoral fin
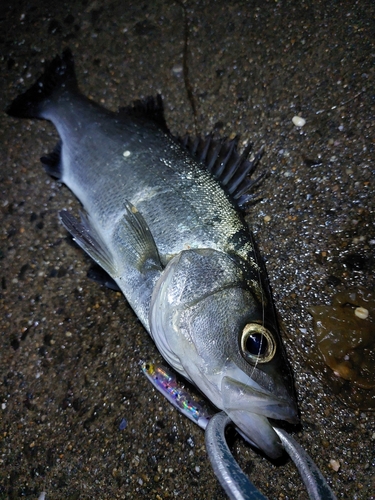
x: 134, y: 237
x: 139, y: 259
x: 130, y: 256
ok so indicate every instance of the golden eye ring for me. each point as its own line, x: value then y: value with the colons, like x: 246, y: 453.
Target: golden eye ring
x: 257, y: 343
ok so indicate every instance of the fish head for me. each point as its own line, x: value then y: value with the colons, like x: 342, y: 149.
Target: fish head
x: 211, y: 327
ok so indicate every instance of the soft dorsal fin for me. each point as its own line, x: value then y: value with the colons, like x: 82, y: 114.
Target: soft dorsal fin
x: 231, y: 169
x: 150, y: 108
x: 221, y: 158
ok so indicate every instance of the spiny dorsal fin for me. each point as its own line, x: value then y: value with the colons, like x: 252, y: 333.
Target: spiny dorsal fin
x: 150, y: 108
x: 231, y: 169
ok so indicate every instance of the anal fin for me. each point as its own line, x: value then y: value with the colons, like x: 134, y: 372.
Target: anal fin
x: 52, y: 162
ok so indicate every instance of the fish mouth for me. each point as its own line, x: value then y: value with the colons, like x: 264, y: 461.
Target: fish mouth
x: 250, y: 407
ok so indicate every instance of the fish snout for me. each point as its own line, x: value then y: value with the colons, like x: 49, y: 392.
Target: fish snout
x: 239, y: 396
x: 250, y: 407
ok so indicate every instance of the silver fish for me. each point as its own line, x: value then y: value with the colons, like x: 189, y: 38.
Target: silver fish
x: 163, y: 220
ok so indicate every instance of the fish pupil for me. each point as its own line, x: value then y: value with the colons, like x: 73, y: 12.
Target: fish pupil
x: 256, y: 344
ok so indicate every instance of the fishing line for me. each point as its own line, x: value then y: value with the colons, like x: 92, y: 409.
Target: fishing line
x: 185, y: 66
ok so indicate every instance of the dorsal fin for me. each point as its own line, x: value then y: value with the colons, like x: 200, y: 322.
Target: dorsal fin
x: 231, y: 169
x: 150, y: 108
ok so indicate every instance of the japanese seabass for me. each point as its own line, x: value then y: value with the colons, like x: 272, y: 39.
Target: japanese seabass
x: 163, y: 219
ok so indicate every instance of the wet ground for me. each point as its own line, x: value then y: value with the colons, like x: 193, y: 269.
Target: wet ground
x: 78, y: 419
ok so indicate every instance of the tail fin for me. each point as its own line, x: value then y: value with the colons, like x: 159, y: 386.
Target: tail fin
x: 59, y: 74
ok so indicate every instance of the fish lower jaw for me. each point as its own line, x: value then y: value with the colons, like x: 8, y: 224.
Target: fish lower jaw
x: 257, y: 430
x: 249, y: 408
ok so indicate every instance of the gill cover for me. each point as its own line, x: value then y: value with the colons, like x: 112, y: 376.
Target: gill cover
x: 192, y: 307
x: 209, y: 326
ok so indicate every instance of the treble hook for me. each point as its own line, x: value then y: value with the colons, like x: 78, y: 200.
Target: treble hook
x: 235, y: 482
x: 231, y: 477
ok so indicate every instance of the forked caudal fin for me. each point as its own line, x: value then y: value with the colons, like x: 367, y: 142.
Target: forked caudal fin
x: 230, y: 168
x: 58, y: 75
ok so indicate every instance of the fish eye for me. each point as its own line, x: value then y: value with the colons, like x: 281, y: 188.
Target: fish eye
x: 257, y: 343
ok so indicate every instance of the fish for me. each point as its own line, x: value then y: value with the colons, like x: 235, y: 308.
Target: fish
x: 163, y: 217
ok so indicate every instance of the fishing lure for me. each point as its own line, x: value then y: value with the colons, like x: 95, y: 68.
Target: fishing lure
x: 164, y: 380
x: 233, y: 480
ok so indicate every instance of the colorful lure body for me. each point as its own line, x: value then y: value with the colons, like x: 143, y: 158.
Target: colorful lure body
x: 232, y: 478
x: 164, y: 380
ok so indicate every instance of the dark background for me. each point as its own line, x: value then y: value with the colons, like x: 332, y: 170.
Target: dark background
x: 69, y: 348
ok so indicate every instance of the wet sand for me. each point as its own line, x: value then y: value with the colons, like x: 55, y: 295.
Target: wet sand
x: 77, y: 417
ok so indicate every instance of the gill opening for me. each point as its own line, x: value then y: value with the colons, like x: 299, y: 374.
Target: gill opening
x: 260, y: 281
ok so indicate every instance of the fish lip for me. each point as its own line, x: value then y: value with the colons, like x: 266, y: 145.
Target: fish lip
x: 257, y: 431
x: 250, y: 407
x: 238, y: 396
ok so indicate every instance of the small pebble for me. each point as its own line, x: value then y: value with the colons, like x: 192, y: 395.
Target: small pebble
x: 190, y: 442
x: 177, y: 69
x: 334, y: 464
x: 123, y: 424
x: 361, y: 312
x: 298, y: 121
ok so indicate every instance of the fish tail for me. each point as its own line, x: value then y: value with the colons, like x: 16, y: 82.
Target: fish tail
x: 59, y: 75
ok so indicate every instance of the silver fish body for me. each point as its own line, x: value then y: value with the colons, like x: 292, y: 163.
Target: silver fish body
x: 161, y: 225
